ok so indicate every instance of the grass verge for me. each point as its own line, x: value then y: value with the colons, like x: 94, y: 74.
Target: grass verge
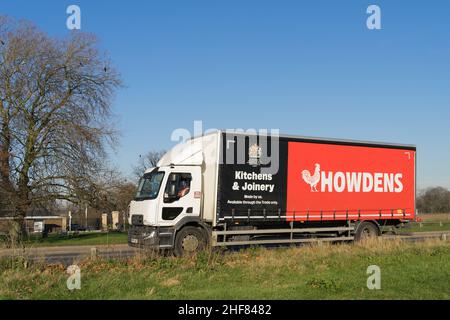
x: 408, y: 271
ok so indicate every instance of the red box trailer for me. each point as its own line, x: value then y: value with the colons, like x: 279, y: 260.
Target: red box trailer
x: 320, y: 180
x: 340, y: 182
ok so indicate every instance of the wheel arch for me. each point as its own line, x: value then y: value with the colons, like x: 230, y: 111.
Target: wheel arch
x: 373, y: 222
x: 193, y: 222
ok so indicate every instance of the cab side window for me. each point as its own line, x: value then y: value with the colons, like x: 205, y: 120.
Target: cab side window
x: 178, y: 186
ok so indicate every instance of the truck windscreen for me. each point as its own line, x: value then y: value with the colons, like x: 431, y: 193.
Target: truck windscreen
x: 149, y: 185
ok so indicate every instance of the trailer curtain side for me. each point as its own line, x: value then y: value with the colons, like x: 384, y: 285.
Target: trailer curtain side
x: 317, y: 180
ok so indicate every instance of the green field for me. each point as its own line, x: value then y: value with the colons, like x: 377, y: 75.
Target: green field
x: 77, y: 239
x: 408, y: 271
x: 430, y: 222
x: 426, y: 227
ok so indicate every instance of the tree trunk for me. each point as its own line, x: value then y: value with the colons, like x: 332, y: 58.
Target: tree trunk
x: 16, y: 235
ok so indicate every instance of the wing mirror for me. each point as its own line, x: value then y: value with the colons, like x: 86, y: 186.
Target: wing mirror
x: 171, y: 194
x: 172, y: 191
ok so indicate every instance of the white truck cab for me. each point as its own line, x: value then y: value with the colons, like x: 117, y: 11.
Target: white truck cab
x: 170, y: 197
x: 168, y: 194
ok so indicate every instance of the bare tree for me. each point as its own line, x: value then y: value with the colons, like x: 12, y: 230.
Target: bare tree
x: 55, y: 97
x: 149, y: 160
x: 110, y: 191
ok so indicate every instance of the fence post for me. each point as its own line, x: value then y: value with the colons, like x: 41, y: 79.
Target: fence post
x: 93, y: 252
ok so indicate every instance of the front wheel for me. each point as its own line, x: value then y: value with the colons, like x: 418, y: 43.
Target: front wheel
x: 189, y: 241
x: 366, y: 230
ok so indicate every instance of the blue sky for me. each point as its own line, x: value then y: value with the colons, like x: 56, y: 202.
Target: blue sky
x: 304, y: 67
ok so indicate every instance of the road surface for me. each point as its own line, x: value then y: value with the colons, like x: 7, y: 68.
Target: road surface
x: 71, y: 254
x: 68, y: 255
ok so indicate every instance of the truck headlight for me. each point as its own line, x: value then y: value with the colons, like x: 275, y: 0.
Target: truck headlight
x: 150, y: 235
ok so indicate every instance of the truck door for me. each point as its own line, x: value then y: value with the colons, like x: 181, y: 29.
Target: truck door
x: 182, y: 195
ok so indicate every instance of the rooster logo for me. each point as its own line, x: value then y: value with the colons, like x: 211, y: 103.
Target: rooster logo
x: 314, y: 179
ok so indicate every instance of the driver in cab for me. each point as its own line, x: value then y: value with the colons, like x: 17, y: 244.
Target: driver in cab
x: 184, y: 188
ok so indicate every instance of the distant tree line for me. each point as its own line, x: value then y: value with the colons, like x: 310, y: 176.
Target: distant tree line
x: 434, y: 200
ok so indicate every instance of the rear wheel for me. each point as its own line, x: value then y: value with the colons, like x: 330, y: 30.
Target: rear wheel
x: 189, y: 241
x: 366, y: 230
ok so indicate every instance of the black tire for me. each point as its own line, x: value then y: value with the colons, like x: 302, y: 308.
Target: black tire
x: 189, y: 241
x: 366, y: 230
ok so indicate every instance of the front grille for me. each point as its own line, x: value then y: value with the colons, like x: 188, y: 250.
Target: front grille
x: 137, y: 220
